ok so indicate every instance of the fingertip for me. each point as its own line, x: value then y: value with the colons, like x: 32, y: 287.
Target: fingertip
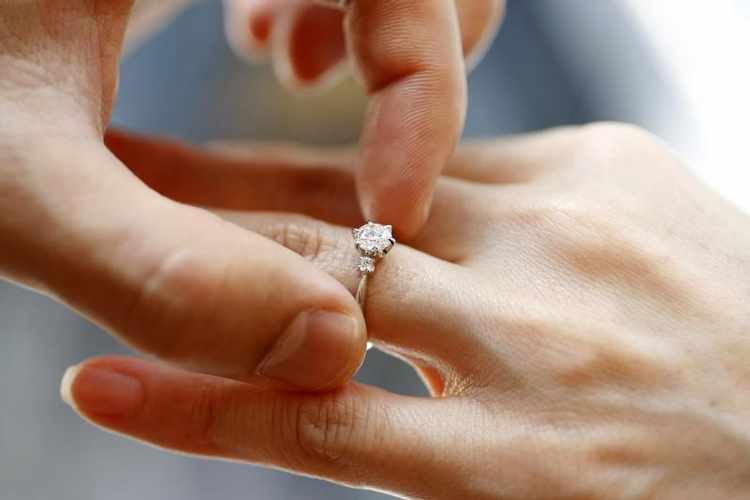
x: 248, y: 25
x: 402, y: 199
x: 407, y: 217
x: 480, y: 22
x: 320, y: 350
x: 309, y: 49
x: 354, y: 357
x: 101, y: 390
x: 317, y: 43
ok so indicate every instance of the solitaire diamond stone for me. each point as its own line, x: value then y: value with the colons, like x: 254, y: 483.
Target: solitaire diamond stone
x: 374, y: 239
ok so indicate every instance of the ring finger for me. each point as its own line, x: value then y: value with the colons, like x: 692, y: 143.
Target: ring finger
x: 406, y: 283
x: 410, y: 281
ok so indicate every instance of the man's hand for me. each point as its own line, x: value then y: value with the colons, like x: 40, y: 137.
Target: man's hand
x: 410, y: 57
x: 169, y: 279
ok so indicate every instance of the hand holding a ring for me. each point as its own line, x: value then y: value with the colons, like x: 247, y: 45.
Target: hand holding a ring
x: 173, y: 280
x: 576, y: 304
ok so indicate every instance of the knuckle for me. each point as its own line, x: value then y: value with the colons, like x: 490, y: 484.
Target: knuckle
x: 565, y: 220
x: 203, y: 413
x: 611, y: 145
x: 318, y: 242
x: 304, y: 237
x: 305, y: 240
x: 330, y: 428
x: 613, y: 132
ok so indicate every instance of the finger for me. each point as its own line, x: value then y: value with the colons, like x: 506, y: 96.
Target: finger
x: 513, y: 158
x: 479, y: 21
x: 248, y: 25
x: 417, y: 89
x: 314, y: 182
x: 358, y: 435
x: 250, y: 176
x: 401, y: 302
x: 272, y: 178
x: 309, y: 47
x: 178, y: 282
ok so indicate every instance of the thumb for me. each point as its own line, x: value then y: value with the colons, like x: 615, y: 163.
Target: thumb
x: 178, y: 282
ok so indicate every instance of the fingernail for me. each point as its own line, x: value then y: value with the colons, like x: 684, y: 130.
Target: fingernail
x: 260, y: 27
x: 100, y: 391
x: 316, y: 351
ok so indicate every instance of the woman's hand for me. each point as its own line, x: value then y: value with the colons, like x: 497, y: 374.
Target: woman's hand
x: 577, y: 305
x: 408, y: 54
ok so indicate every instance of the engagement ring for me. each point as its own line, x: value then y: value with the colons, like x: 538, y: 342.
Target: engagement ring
x: 373, y: 241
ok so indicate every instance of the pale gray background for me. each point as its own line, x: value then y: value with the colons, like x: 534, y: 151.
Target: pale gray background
x: 185, y: 82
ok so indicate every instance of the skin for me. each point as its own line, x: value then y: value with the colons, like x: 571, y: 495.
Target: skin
x: 176, y: 281
x: 575, y: 303
x: 576, y: 306
x: 415, y: 81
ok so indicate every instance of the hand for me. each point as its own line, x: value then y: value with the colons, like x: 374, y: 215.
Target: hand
x: 577, y: 305
x: 171, y: 280
x: 409, y: 57
x: 176, y: 281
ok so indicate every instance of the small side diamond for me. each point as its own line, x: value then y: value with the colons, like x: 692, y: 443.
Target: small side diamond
x: 366, y: 265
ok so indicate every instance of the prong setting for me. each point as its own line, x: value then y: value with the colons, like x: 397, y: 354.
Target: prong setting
x: 373, y: 241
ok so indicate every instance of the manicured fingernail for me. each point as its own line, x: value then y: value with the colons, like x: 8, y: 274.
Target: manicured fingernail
x: 100, y: 391
x: 66, y: 384
x: 316, y: 351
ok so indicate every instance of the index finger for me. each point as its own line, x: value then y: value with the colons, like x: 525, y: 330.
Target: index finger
x: 410, y: 58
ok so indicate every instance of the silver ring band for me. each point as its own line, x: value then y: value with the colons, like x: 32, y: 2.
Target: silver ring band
x: 362, y: 291
x: 373, y: 241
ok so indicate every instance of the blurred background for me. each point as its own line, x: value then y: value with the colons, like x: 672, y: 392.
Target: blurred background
x: 678, y: 68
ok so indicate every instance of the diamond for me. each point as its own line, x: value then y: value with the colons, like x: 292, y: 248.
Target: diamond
x: 366, y: 265
x: 374, y: 239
